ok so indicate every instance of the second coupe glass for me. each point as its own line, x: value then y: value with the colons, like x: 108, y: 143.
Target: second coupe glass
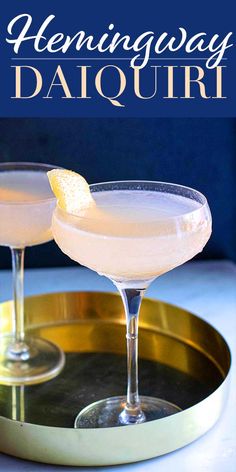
x: 26, y: 207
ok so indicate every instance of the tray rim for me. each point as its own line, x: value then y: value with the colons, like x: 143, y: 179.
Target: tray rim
x: 115, y: 294
x: 191, y: 413
x: 151, y: 429
x: 148, y: 299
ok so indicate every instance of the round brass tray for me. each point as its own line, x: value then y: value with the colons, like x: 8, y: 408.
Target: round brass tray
x: 182, y: 359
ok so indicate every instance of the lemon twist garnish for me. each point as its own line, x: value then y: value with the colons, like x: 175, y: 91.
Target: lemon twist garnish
x: 71, y: 190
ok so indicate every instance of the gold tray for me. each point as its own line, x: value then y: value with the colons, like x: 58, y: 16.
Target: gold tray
x: 182, y: 359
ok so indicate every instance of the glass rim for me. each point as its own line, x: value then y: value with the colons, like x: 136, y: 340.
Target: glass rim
x: 24, y: 165
x: 202, y: 204
x: 159, y: 182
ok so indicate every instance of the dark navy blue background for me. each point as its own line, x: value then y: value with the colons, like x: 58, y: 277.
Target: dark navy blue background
x: 196, y: 152
x: 129, y: 17
x: 192, y: 151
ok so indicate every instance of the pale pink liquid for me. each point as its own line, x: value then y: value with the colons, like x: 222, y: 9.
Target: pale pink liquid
x: 26, y: 207
x: 134, y: 235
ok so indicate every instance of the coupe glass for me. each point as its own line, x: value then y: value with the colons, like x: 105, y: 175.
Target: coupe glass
x: 26, y: 207
x: 138, y: 231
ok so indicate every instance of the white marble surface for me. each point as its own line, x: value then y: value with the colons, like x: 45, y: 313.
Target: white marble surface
x: 205, y: 288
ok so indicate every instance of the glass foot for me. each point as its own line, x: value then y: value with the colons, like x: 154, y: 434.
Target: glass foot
x: 30, y: 362
x: 111, y: 412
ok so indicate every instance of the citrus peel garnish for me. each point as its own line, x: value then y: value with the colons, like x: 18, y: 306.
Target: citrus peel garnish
x: 71, y: 190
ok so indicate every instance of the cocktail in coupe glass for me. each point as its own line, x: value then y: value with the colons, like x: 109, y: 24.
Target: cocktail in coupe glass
x: 26, y: 207
x: 137, y: 231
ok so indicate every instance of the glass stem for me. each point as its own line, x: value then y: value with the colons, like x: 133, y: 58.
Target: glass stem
x: 18, y: 296
x: 132, y: 299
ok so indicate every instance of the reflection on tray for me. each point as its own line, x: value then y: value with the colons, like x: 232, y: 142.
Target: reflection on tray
x: 18, y: 403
